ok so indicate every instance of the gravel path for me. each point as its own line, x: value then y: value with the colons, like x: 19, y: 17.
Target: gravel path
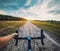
x: 30, y: 29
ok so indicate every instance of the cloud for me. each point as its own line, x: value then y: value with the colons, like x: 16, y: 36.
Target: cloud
x: 3, y: 12
x: 39, y: 10
x: 28, y: 2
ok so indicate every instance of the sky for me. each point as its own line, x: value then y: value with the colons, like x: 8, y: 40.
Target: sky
x: 31, y: 9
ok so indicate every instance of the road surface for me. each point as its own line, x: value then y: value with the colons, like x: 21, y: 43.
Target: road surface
x: 30, y: 29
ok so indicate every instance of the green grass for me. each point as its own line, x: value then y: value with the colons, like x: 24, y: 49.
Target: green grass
x: 8, y: 27
x: 52, y: 27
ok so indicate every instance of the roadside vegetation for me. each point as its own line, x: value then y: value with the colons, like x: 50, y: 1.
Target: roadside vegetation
x: 9, y: 24
x: 8, y: 27
x: 50, y: 26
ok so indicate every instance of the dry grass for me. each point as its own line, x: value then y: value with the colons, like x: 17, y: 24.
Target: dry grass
x: 8, y: 27
x: 52, y: 27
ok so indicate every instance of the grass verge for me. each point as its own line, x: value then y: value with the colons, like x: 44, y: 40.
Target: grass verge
x: 52, y: 27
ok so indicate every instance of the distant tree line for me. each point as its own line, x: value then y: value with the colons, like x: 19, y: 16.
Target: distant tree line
x: 10, y: 18
x: 47, y: 20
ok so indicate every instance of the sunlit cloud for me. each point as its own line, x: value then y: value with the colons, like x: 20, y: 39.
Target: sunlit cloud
x: 40, y: 10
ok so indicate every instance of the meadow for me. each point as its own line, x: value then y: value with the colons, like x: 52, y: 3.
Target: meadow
x: 49, y: 26
x: 8, y: 27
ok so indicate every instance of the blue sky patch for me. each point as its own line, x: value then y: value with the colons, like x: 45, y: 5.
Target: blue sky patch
x: 43, y: 9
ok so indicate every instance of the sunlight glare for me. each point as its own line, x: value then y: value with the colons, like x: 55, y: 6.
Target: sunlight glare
x: 29, y: 18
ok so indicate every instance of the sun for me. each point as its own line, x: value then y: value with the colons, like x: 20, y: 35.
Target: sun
x: 29, y: 18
